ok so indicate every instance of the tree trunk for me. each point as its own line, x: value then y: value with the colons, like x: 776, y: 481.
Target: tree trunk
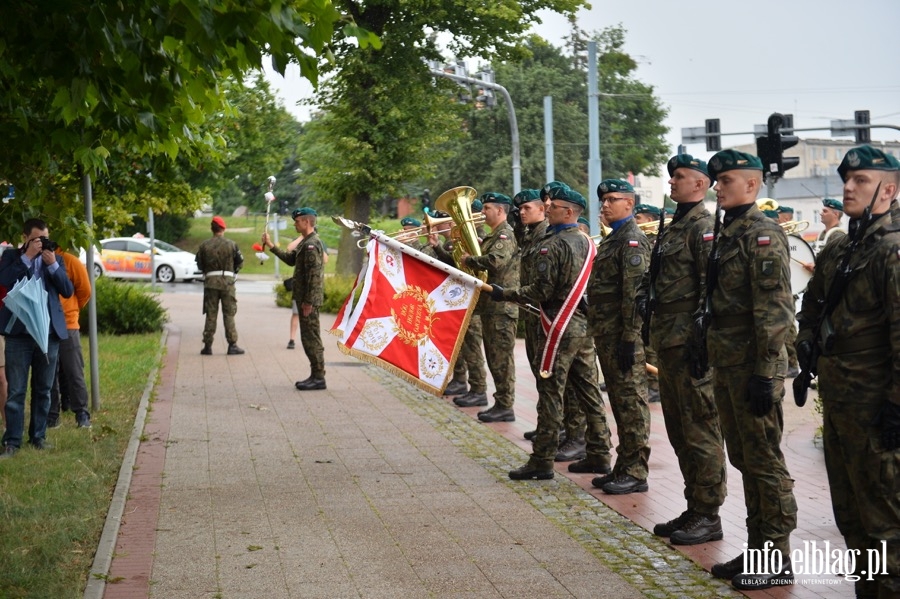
x: 357, y: 207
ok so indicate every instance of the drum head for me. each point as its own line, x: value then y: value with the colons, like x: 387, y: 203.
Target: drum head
x: 801, y: 253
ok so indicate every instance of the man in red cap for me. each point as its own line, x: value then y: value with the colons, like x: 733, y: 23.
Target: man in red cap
x: 220, y: 259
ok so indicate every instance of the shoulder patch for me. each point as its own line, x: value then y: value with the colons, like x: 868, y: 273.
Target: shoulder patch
x: 311, y: 246
x: 543, y: 251
x: 767, y: 268
x: 708, y: 236
x: 636, y: 260
x: 633, y: 243
x: 763, y: 240
x: 503, y: 236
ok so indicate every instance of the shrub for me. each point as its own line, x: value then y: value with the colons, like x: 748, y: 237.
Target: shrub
x: 125, y: 308
x: 166, y: 227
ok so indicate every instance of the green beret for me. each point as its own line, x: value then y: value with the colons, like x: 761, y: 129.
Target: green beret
x: 610, y: 185
x: 477, y: 205
x: 567, y: 194
x: 583, y: 221
x: 784, y: 210
x: 771, y: 213
x: 525, y: 196
x: 732, y: 160
x: 646, y: 209
x: 410, y: 222
x: 686, y: 161
x: 492, y: 197
x: 670, y: 211
x: 545, y: 190
x: 864, y: 158
x: 833, y: 204
x: 303, y: 212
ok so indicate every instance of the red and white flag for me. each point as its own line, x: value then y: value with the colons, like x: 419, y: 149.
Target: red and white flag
x: 410, y: 316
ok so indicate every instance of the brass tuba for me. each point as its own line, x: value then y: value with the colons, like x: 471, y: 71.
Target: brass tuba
x: 457, y: 202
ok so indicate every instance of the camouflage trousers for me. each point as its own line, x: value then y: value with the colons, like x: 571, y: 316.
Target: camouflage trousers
x: 628, y: 398
x: 311, y: 339
x: 754, y: 448
x: 865, y: 488
x: 575, y: 368
x: 499, y: 332
x: 469, y: 367
x: 574, y: 421
x: 790, y: 341
x: 692, y: 425
x: 651, y: 357
x: 211, y: 300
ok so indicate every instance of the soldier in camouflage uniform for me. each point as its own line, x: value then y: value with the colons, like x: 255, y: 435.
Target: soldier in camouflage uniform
x: 500, y: 260
x: 572, y: 446
x: 411, y: 227
x: 220, y: 259
x: 688, y: 406
x: 468, y: 371
x: 556, y: 268
x: 645, y: 213
x: 622, y: 257
x: 308, y: 291
x: 752, y: 309
x: 858, y: 374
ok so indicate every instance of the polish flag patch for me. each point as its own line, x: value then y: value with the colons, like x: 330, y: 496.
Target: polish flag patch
x: 708, y: 236
x: 763, y: 240
x: 633, y: 243
x: 544, y: 251
x: 502, y: 236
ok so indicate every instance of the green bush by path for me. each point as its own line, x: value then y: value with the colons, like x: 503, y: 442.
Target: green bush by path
x: 336, y: 291
x: 125, y: 308
x: 53, y: 503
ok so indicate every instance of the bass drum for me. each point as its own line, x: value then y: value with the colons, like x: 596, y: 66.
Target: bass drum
x: 801, y: 253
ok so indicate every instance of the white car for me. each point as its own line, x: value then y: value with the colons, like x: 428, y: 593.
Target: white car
x: 129, y: 258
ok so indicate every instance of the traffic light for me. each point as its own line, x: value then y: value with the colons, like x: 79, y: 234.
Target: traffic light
x: 863, y: 136
x: 770, y: 148
x: 713, y: 139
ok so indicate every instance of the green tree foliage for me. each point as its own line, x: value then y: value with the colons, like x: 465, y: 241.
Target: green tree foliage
x: 260, y: 139
x: 123, y: 88
x: 384, y: 116
x: 631, y: 129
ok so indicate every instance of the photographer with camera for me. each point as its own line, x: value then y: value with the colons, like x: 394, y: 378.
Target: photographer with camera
x: 35, y: 258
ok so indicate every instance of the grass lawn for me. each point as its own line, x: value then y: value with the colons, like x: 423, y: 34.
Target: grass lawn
x: 53, y: 503
x: 247, y: 230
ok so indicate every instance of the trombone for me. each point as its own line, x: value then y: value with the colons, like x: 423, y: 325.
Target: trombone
x: 431, y: 225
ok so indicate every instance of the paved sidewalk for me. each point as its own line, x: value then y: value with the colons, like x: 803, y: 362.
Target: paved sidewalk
x: 247, y: 488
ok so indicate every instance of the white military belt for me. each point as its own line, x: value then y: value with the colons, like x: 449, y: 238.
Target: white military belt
x: 218, y: 273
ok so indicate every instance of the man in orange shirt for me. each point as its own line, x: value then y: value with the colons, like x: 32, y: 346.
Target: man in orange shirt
x: 69, y: 383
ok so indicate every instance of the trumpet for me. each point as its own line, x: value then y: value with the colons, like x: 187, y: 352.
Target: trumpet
x: 652, y: 227
x: 792, y: 227
x: 431, y: 225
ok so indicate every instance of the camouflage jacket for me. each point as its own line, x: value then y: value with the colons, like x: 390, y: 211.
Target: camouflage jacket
x: 752, y: 303
x: 309, y: 269
x: 863, y: 363
x: 681, y: 279
x: 552, y: 266
x: 219, y: 253
x: 499, y: 258
x: 622, y: 258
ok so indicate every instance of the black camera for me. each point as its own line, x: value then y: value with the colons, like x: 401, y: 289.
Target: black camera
x: 48, y: 244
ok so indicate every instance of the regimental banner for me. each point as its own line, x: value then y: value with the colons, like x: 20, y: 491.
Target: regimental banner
x: 410, y: 316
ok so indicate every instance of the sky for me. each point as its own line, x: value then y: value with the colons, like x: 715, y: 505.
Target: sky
x: 739, y: 62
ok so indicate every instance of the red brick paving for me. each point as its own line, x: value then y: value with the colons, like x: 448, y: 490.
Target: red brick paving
x: 135, y: 545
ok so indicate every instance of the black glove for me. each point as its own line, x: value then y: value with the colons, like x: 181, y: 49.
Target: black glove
x: 890, y: 426
x: 497, y: 293
x: 760, y: 394
x: 625, y: 354
x: 641, y: 302
x: 804, y: 350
